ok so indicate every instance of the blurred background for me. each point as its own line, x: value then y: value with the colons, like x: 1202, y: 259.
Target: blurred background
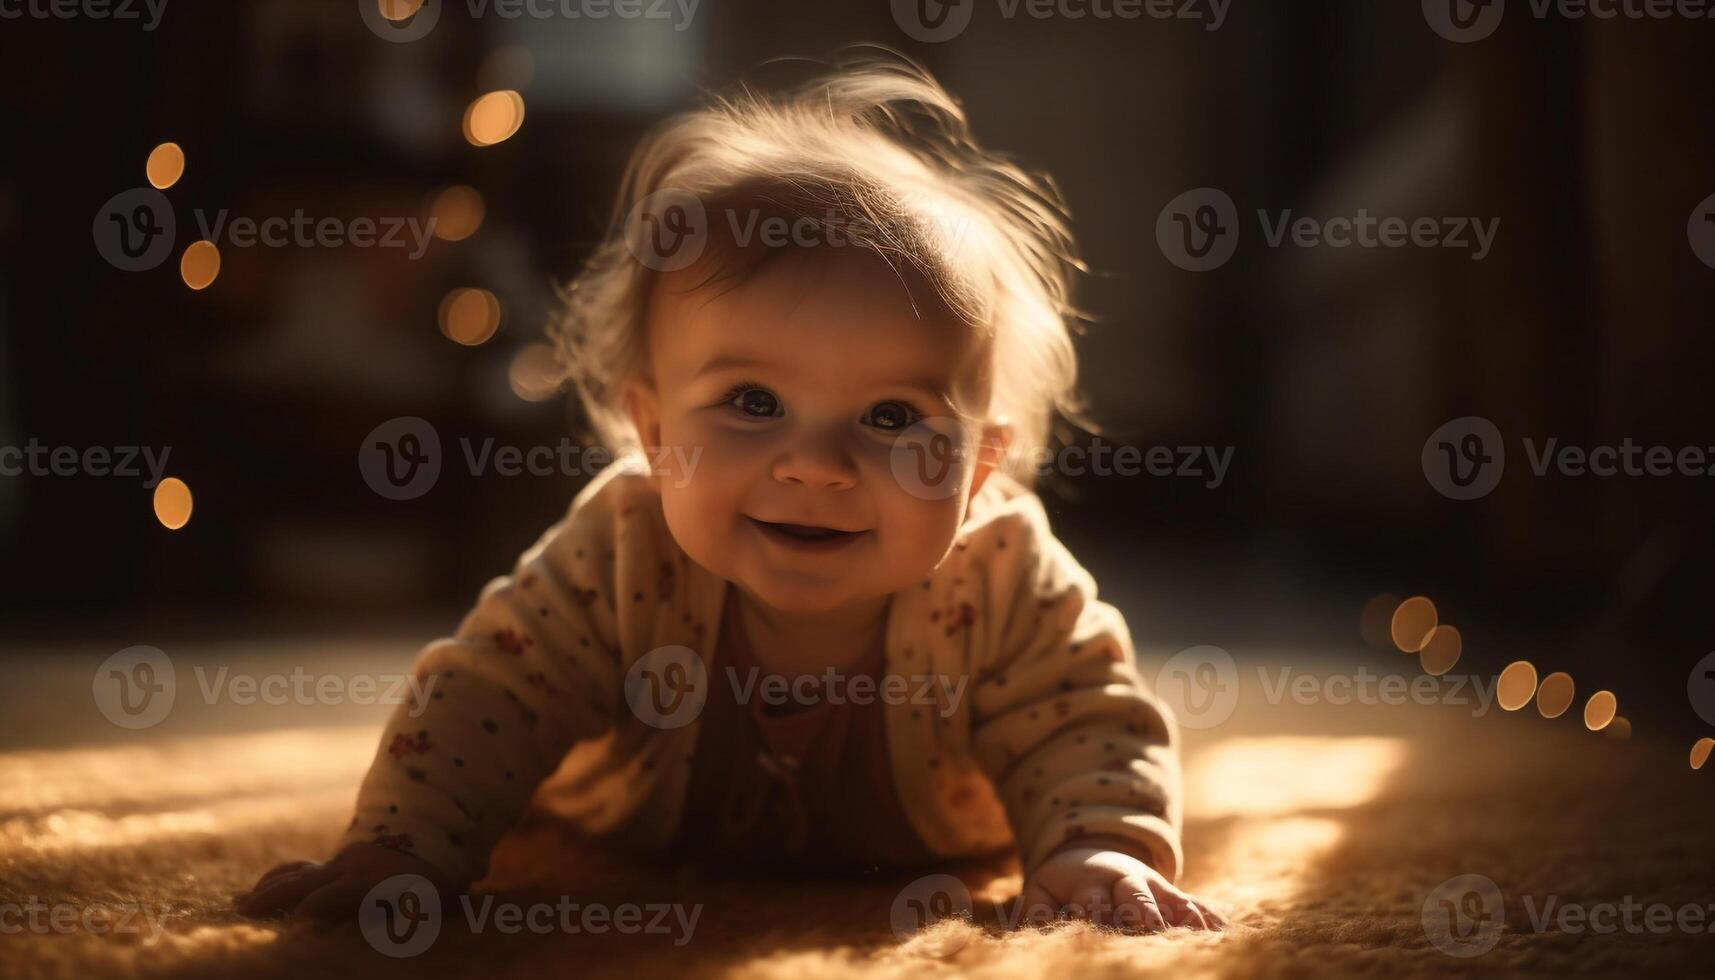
x: 1324, y: 369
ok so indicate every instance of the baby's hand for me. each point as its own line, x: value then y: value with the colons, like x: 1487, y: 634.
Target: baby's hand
x: 332, y: 890
x: 1094, y: 878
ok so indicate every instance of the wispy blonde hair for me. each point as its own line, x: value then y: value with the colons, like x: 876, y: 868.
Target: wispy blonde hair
x: 873, y: 143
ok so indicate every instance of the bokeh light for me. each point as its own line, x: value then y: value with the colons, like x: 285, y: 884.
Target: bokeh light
x: 533, y: 374
x: 1412, y: 623
x: 1620, y: 728
x: 200, y: 264
x: 493, y: 117
x: 470, y: 316
x: 172, y: 503
x: 457, y: 212
x: 1441, y: 651
x: 1555, y: 694
x: 399, y: 9
x: 1518, y: 682
x: 1599, y: 711
x: 1700, y: 750
x: 166, y: 164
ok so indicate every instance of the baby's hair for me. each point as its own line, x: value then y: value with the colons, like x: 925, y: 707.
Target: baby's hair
x: 874, y: 150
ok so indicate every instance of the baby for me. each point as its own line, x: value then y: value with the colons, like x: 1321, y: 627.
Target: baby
x: 813, y: 615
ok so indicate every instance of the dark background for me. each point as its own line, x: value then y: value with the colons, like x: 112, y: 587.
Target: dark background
x: 1326, y: 369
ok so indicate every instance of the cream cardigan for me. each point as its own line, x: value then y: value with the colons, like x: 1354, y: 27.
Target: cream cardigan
x: 1023, y: 723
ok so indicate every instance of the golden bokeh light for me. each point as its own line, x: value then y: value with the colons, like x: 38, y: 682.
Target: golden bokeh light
x: 457, y: 213
x: 1700, y: 750
x: 493, y: 117
x: 533, y: 374
x: 1441, y: 651
x: 399, y: 9
x: 1555, y: 694
x: 1599, y: 711
x: 1518, y: 682
x: 470, y: 316
x: 172, y: 503
x: 1412, y: 623
x: 166, y: 164
x: 1620, y: 728
x: 200, y: 264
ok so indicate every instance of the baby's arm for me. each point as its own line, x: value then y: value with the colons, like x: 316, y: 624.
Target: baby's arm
x: 1083, y: 754
x: 530, y: 671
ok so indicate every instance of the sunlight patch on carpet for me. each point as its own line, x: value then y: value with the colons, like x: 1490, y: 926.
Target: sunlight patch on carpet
x: 200, y: 767
x: 1281, y: 774
x: 1277, y: 790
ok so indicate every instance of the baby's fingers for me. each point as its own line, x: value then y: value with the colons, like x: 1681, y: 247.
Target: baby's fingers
x: 1216, y: 920
x: 278, y: 893
x: 1136, y: 908
x: 1181, y: 909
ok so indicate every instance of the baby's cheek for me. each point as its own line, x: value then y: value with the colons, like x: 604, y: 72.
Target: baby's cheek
x: 694, y: 518
x: 917, y: 534
x: 720, y: 464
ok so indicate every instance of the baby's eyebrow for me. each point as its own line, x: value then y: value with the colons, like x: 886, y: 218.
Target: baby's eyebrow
x: 728, y: 362
x: 931, y: 385
x: 935, y: 388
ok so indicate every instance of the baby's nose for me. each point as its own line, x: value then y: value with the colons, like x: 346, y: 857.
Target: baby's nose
x: 817, y: 462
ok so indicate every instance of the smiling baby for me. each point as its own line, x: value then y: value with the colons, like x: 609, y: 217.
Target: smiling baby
x: 813, y: 617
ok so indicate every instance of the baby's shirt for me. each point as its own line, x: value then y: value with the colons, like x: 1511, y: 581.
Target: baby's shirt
x: 1013, y: 709
x: 787, y: 784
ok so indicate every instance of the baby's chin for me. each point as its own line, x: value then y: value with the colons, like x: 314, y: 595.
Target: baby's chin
x: 799, y: 595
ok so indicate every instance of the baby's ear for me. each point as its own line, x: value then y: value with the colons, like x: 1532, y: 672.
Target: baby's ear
x: 992, y: 447
x: 643, y: 407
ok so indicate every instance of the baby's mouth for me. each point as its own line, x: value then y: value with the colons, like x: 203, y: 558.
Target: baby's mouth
x: 805, y: 532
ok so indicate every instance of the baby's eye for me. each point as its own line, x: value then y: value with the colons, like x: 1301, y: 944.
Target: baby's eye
x: 759, y: 402
x: 893, y: 416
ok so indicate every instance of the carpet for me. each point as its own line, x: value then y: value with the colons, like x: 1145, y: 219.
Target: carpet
x: 1391, y: 840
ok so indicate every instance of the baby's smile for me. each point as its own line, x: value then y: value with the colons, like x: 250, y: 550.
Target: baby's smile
x: 808, y: 539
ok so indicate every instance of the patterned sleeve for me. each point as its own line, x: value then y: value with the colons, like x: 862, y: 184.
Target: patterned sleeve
x: 1075, y: 742
x: 532, y: 669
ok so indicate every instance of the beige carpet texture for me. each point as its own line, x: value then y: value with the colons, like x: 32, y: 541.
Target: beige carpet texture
x: 1394, y: 840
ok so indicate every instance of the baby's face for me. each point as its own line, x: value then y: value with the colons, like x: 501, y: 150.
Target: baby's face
x: 789, y: 390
